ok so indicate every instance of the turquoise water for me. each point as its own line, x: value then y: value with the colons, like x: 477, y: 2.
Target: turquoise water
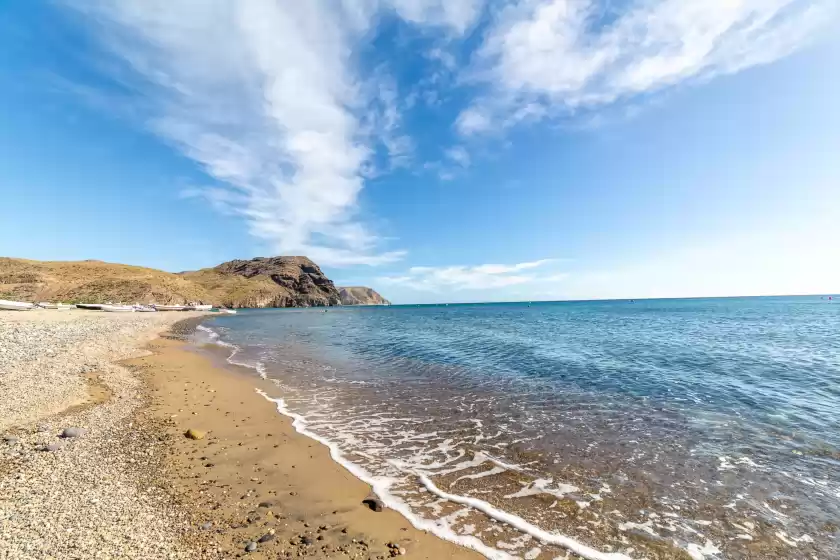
x: 710, y: 426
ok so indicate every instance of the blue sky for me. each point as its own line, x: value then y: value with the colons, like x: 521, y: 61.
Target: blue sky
x: 460, y: 150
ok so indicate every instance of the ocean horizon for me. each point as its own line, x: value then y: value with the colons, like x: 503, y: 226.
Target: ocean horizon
x: 694, y: 428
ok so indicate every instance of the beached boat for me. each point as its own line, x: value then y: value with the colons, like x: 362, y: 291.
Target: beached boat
x: 202, y: 307
x: 144, y: 309
x: 65, y: 306
x: 15, y: 305
x: 170, y: 307
x: 118, y: 308
x: 48, y: 305
x: 93, y: 306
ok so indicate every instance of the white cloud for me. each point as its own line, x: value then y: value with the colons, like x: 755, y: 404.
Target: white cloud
x: 459, y: 15
x: 482, y: 277
x: 549, y: 56
x: 265, y: 97
x: 459, y: 155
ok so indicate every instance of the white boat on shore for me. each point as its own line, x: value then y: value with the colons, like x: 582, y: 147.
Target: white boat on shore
x: 15, y: 305
x: 144, y: 309
x: 48, y: 305
x: 201, y: 307
x: 170, y: 307
x: 65, y: 306
x: 118, y: 308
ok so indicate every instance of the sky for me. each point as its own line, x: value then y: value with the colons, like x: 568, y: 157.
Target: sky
x: 435, y: 150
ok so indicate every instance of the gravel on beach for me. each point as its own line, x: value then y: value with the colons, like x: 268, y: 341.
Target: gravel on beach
x: 95, y: 492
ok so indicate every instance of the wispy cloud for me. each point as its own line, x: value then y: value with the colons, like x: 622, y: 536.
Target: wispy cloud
x: 481, y: 277
x: 544, y: 57
x: 268, y: 99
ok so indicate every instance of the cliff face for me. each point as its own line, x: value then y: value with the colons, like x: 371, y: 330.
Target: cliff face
x: 360, y: 295
x: 267, y: 282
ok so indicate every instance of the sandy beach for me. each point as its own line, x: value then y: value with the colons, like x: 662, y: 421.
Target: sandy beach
x: 94, y: 461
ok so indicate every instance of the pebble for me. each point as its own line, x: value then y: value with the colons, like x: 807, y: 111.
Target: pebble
x: 86, y: 500
x: 251, y: 547
x: 192, y: 433
x: 373, y: 503
x: 72, y: 432
x: 11, y: 440
x: 265, y: 538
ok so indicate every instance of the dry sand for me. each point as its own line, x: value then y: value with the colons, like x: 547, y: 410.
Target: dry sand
x: 133, y: 486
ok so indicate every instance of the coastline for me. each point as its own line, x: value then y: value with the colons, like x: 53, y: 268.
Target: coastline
x: 254, y: 476
x: 133, y: 486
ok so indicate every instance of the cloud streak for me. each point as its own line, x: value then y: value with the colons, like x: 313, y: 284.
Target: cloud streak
x: 481, y: 277
x: 544, y: 57
x: 265, y: 97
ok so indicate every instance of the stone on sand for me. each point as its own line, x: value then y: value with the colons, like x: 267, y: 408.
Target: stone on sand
x: 72, y: 432
x: 192, y: 433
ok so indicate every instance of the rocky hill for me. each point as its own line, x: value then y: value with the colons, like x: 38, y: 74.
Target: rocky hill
x: 360, y: 295
x: 267, y: 282
x: 260, y: 282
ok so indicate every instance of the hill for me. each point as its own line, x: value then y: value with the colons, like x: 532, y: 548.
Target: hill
x: 360, y: 295
x: 94, y: 281
x: 267, y: 282
x: 260, y: 282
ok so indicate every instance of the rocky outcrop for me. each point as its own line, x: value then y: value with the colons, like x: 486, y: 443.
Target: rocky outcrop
x: 267, y: 282
x: 360, y: 295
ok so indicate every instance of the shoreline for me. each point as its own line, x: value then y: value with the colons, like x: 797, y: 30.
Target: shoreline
x: 255, y: 477
x: 129, y: 484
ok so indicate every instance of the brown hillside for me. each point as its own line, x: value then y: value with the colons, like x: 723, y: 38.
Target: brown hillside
x: 94, y: 281
x: 260, y: 282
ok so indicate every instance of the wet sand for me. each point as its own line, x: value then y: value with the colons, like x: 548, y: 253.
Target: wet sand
x: 252, y: 476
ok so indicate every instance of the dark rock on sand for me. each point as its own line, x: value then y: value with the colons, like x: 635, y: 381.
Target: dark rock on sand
x: 373, y: 503
x: 266, y: 538
x: 72, y: 432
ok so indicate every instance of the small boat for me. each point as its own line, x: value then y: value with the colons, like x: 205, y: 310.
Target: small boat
x: 65, y: 306
x: 118, y: 308
x: 170, y: 307
x: 201, y: 307
x: 93, y: 306
x: 144, y: 309
x: 228, y: 311
x: 48, y: 305
x: 15, y: 305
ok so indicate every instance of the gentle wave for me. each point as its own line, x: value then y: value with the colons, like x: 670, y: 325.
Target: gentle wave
x: 705, y: 426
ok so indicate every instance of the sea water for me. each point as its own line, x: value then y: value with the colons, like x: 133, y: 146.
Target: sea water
x: 696, y: 428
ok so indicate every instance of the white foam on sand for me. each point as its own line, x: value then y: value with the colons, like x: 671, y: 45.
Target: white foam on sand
x: 234, y: 350
x: 382, y: 487
x: 541, y: 486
